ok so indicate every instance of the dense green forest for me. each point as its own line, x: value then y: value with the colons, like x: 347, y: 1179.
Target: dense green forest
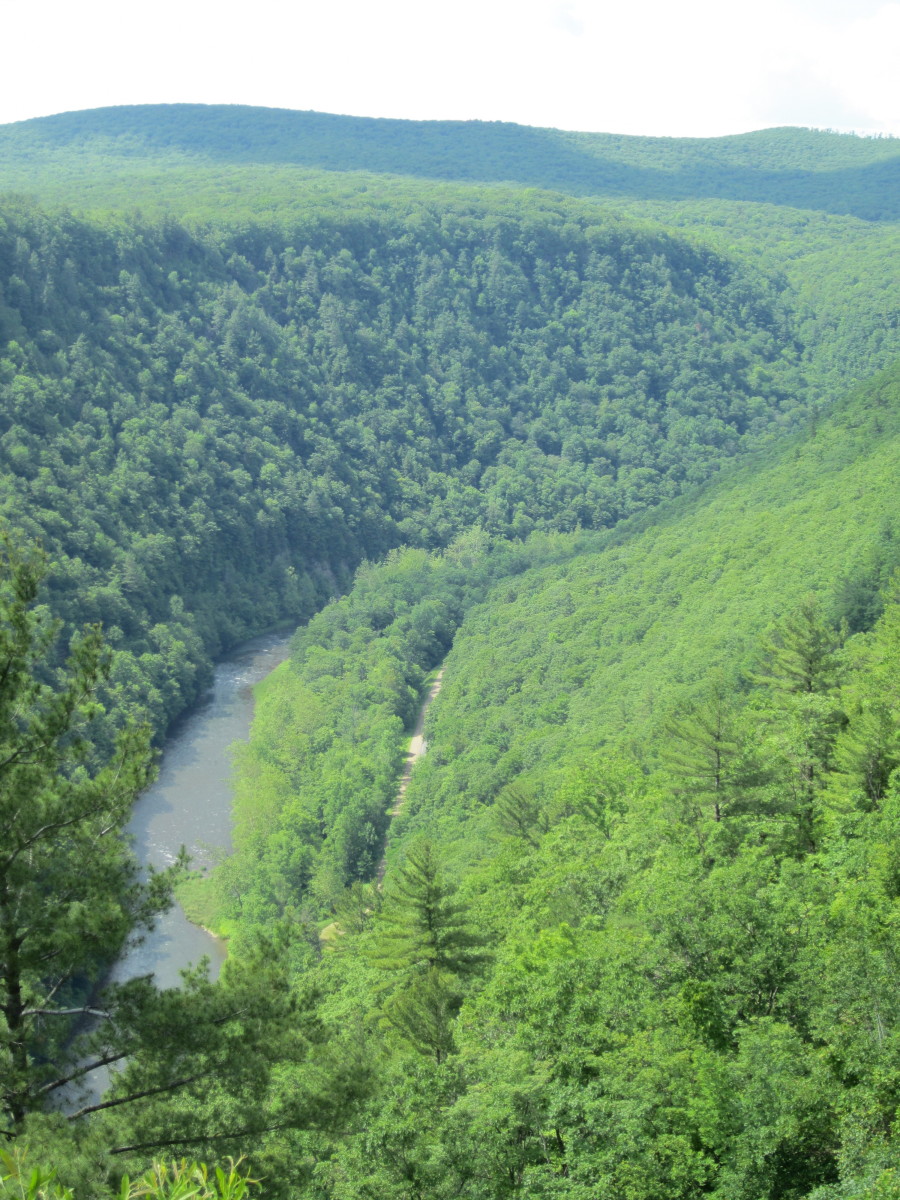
x: 620, y: 458
x: 209, y: 430
x: 788, y: 200
x: 637, y: 936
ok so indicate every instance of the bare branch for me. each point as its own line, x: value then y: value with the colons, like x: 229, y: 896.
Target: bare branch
x: 84, y: 1069
x: 204, y: 1137
x: 64, y: 1012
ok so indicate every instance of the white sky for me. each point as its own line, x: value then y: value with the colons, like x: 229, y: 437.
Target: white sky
x: 672, y: 67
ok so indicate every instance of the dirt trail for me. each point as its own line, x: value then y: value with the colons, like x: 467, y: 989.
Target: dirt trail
x: 413, y: 754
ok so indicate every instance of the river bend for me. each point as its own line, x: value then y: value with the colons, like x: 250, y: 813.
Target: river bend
x: 190, y: 805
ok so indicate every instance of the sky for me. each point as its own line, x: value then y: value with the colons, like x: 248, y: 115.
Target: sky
x: 695, y: 68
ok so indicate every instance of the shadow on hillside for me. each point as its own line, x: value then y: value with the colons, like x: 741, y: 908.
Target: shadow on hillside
x: 472, y: 151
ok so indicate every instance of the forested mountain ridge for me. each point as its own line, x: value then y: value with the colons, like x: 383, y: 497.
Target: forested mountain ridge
x: 180, y: 404
x: 841, y: 275
x: 746, y: 194
x: 800, y: 168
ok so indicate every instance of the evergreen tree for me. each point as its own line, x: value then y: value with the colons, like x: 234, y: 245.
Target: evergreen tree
x: 520, y: 814
x: 801, y: 653
x: 705, y: 746
x: 868, y: 749
x: 69, y: 890
x: 423, y: 926
x: 423, y: 1013
x: 800, y: 667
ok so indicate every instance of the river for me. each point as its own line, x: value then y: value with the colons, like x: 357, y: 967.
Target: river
x: 190, y: 805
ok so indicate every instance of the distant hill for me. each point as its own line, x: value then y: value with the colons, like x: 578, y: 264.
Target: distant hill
x: 803, y: 168
x: 815, y: 208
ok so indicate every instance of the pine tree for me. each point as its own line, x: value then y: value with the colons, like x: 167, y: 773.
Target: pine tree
x: 519, y: 813
x: 800, y: 656
x: 705, y: 745
x: 69, y: 889
x: 424, y: 1011
x: 423, y: 926
x: 799, y: 668
x: 868, y: 749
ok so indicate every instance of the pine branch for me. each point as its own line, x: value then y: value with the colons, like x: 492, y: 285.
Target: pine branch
x: 85, y: 1069
x: 154, y: 1091
x: 204, y: 1137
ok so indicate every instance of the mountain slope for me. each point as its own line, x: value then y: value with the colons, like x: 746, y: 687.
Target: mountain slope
x: 656, y: 953
x: 557, y: 660
x: 638, y: 927
x: 775, y: 197
x: 180, y: 404
x: 560, y: 661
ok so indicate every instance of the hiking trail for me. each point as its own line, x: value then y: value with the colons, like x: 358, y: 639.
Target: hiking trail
x: 417, y: 747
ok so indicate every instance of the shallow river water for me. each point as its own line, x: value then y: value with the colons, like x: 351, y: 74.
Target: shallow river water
x: 190, y: 805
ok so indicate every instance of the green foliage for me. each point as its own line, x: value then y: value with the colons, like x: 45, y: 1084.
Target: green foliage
x: 520, y: 813
x: 28, y: 1183
x: 800, y: 656
x: 422, y: 926
x: 61, y: 825
x: 70, y: 896
x: 705, y: 746
x: 164, y: 1181
x: 209, y: 429
x: 422, y: 1013
x: 608, y: 646
x: 187, y: 1181
x: 315, y: 785
x: 688, y: 892
x: 638, y: 932
x: 838, y: 271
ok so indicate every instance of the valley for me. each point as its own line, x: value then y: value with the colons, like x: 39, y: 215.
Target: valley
x: 597, y: 438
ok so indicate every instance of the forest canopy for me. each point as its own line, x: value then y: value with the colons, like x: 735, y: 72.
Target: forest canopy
x: 210, y: 429
x: 619, y: 459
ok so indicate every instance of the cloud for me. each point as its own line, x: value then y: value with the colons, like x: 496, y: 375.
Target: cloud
x: 566, y: 18
x: 798, y: 97
x: 861, y: 61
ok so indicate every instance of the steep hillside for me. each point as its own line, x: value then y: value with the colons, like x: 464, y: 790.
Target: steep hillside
x: 782, y: 198
x: 840, y: 271
x: 554, y: 662
x: 638, y: 931
x: 226, y: 422
x: 638, y: 934
x: 595, y: 652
